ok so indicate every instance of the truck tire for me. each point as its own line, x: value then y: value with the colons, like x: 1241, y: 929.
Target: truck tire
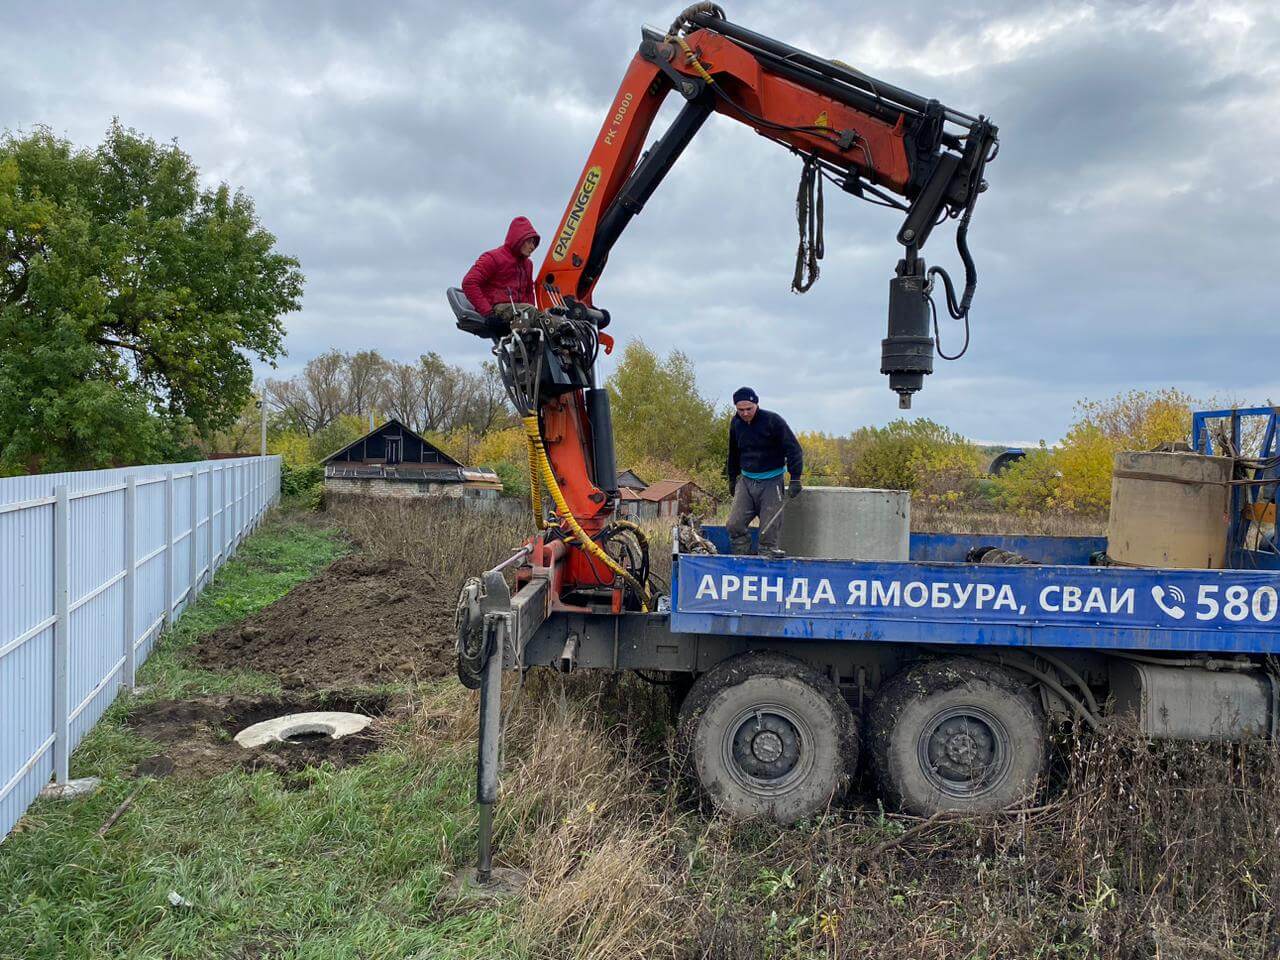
x: 956, y: 734
x: 767, y: 736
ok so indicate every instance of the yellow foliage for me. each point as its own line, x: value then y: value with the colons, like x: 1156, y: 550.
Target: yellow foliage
x: 1031, y: 484
x: 501, y: 446
x: 460, y: 444
x: 1137, y: 420
x: 823, y: 458
x: 1077, y: 475
x: 917, y: 455
x: 1083, y: 465
x: 294, y: 446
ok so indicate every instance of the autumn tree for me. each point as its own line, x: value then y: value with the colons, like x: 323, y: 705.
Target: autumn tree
x: 1076, y: 475
x: 315, y: 397
x: 659, y: 415
x: 918, y: 455
x: 131, y: 301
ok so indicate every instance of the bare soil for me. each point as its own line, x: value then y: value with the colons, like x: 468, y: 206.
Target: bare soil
x: 198, y: 734
x: 363, y: 620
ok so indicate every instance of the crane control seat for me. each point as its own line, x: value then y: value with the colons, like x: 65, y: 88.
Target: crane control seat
x: 469, y: 319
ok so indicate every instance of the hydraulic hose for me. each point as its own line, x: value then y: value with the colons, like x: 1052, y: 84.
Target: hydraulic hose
x: 535, y: 486
x: 538, y: 454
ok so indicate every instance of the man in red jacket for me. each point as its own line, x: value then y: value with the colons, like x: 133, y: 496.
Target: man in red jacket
x: 501, y: 280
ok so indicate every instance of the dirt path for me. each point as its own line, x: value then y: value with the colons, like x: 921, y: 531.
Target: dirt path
x: 361, y: 621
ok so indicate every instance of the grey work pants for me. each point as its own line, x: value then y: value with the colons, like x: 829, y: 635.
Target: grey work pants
x: 751, y: 499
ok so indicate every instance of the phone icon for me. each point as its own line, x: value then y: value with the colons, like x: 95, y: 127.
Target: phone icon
x: 1175, y: 609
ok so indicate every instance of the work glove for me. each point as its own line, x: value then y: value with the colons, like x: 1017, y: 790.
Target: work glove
x: 733, y: 485
x: 793, y: 491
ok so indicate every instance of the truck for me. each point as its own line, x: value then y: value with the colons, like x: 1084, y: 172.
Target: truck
x: 944, y: 671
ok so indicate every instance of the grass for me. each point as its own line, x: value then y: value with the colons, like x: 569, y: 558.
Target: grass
x: 1133, y: 851
x: 346, y: 868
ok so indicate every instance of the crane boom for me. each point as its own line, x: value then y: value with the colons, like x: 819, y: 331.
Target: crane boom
x: 874, y: 140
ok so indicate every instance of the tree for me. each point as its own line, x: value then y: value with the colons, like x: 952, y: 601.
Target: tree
x: 485, y: 403
x: 242, y: 437
x: 341, y: 431
x: 316, y: 397
x: 441, y: 393
x: 401, y: 395
x: 917, y: 455
x: 131, y: 301
x: 1137, y: 420
x: 366, y: 372
x: 658, y: 412
x: 1076, y: 475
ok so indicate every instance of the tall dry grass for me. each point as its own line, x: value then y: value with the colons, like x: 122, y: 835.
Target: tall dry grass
x: 441, y: 539
x: 930, y: 518
x: 1136, y: 851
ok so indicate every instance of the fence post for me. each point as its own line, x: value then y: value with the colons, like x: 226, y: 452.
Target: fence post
x: 168, y: 548
x: 194, y: 565
x: 61, y: 633
x: 235, y: 508
x: 130, y: 579
x: 222, y: 519
x: 208, y: 527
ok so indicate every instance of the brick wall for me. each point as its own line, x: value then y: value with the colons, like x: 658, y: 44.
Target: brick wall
x: 405, y: 489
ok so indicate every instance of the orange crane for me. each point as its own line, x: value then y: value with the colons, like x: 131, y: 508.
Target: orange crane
x: 873, y: 140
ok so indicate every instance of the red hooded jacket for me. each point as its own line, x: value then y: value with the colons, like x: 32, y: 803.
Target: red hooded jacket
x: 502, y: 275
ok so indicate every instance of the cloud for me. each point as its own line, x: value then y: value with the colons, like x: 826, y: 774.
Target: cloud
x: 1123, y: 241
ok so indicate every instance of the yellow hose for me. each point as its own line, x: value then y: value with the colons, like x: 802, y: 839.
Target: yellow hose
x: 538, y: 451
x: 692, y: 59
x: 535, y: 487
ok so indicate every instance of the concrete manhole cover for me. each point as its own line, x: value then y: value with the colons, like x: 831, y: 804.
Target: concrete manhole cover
x: 303, y: 727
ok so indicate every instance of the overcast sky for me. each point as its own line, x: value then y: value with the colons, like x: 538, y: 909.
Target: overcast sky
x: 1127, y: 239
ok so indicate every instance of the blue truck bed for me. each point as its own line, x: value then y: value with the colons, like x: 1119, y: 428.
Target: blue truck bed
x: 938, y: 598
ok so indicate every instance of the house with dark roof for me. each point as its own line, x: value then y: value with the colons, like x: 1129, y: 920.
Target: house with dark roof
x: 394, y: 461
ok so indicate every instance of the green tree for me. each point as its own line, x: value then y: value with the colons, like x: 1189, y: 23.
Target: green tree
x: 658, y: 413
x: 917, y: 455
x: 342, y: 431
x: 131, y: 301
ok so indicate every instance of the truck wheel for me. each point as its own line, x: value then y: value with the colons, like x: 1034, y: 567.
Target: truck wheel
x: 956, y: 734
x: 768, y: 736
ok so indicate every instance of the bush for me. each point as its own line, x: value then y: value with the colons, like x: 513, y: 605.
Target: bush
x: 303, y: 485
x: 917, y: 455
x: 514, y: 477
x: 1031, y: 484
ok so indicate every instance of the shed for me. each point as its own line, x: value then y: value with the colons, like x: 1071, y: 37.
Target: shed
x: 663, y: 498
x: 393, y: 461
x: 631, y: 504
x: 629, y: 480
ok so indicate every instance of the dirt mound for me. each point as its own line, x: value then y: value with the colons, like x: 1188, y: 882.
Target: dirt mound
x: 199, y: 734
x: 360, y: 621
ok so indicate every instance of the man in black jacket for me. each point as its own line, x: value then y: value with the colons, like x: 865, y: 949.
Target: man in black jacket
x: 760, y: 446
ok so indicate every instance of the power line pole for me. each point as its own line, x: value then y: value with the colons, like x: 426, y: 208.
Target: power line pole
x: 262, y: 404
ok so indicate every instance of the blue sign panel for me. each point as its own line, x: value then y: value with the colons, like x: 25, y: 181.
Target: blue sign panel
x: 972, y: 603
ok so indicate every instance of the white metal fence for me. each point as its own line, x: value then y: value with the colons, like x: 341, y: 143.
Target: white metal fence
x: 92, y: 565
